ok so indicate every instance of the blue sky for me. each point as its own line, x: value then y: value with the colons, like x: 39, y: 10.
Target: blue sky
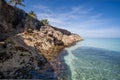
x: 88, y: 18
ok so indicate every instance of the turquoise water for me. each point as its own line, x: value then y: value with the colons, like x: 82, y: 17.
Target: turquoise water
x: 94, y: 59
x: 105, y: 43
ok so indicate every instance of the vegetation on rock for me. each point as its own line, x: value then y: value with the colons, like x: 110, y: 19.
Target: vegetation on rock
x: 45, y: 22
x: 32, y: 14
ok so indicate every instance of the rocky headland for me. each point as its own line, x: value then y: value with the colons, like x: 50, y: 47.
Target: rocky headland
x: 28, y: 48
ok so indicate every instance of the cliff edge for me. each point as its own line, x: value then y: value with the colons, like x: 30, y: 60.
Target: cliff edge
x: 27, y: 45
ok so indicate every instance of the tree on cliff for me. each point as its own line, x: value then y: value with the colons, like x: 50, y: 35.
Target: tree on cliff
x: 17, y: 2
x: 32, y: 14
x: 45, y: 22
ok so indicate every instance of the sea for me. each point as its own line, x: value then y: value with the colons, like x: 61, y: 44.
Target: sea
x: 94, y: 59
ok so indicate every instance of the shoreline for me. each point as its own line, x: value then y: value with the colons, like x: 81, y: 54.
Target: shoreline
x: 61, y: 69
x: 60, y: 66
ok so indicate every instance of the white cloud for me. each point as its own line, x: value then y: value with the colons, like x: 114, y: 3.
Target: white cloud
x: 42, y: 8
x: 55, y: 20
x: 80, y: 20
x: 74, y: 13
x: 99, y: 33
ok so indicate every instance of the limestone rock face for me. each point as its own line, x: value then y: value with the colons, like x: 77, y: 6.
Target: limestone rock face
x: 48, y: 40
x: 27, y: 47
x: 68, y: 40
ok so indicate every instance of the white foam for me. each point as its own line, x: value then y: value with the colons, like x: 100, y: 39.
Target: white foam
x: 69, y: 59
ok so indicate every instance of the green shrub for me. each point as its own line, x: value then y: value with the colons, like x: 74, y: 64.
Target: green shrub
x: 32, y: 14
x: 45, y: 22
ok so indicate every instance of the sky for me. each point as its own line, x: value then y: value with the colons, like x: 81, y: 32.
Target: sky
x: 88, y: 18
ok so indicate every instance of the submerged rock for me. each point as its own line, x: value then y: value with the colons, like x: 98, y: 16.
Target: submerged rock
x: 27, y: 47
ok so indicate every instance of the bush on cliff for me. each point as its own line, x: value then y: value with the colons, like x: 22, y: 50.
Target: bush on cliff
x: 45, y: 22
x: 32, y: 14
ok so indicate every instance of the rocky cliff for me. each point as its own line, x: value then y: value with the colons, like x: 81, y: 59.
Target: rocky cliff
x: 27, y: 47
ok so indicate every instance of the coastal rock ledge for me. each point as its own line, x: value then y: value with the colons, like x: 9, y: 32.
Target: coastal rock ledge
x: 27, y: 46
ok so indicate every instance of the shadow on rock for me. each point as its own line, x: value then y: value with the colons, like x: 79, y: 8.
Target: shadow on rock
x: 62, y: 70
x: 20, y: 61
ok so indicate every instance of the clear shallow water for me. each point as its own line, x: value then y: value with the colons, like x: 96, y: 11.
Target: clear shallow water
x: 94, y: 59
x: 105, y: 43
